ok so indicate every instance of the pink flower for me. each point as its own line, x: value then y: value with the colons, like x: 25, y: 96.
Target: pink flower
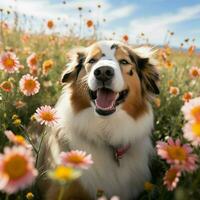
x: 191, y: 109
x: 174, y: 90
x: 9, y: 62
x: 171, y: 178
x: 29, y: 85
x: 187, y: 96
x: 33, y: 70
x: 32, y: 60
x: 46, y: 115
x: 76, y: 158
x: 19, y: 104
x: 176, y: 154
x: 17, y: 169
x: 17, y: 139
x: 194, y: 72
x: 191, y: 132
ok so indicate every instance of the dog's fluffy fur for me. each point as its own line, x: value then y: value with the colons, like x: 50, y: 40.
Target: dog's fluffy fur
x: 80, y: 127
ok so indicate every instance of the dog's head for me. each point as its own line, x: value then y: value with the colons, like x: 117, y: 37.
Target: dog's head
x: 110, y: 75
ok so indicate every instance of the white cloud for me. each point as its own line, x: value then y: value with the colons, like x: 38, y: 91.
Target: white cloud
x: 69, y: 13
x: 40, y: 9
x: 155, y: 27
x: 119, y: 12
x: 45, y: 9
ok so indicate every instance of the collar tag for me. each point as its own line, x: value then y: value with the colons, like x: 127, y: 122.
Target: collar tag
x: 120, y: 152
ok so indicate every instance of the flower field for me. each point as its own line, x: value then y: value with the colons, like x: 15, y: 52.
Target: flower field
x: 30, y: 70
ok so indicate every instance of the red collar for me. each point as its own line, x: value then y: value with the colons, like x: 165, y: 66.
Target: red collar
x: 119, y: 152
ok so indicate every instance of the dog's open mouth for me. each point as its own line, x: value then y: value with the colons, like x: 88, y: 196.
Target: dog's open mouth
x: 106, y: 100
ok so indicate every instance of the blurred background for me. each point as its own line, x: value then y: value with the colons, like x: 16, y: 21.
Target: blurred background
x: 143, y: 21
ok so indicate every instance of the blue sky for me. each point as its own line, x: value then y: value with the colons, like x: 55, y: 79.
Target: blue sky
x: 153, y: 17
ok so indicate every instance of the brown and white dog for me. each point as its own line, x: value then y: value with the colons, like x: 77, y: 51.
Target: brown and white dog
x: 105, y: 110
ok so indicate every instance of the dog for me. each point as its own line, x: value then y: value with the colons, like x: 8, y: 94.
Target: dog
x: 105, y: 110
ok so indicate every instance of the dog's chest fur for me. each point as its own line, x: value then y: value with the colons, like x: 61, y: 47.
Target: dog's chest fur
x: 85, y: 131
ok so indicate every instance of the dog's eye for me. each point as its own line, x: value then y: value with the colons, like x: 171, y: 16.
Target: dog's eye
x: 92, y: 60
x: 124, y: 62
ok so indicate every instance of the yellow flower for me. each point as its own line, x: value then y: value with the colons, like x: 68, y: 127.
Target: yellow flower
x: 168, y: 64
x: 168, y: 51
x: 170, y: 82
x: 64, y: 174
x: 17, y: 122
x: 46, y: 66
x: 157, y: 102
x: 33, y: 118
x: 11, y: 79
x: 6, y: 86
x: 148, y: 186
x: 14, y: 117
x: 29, y: 196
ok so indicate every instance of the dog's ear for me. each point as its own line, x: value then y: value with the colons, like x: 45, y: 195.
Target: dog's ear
x: 76, y: 61
x: 146, y: 69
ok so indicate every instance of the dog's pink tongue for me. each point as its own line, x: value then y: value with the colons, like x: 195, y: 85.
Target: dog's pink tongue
x: 105, y: 98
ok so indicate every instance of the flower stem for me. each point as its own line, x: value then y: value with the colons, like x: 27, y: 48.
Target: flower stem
x: 61, y: 193
x: 7, y: 197
x: 38, y: 151
x: 28, y: 138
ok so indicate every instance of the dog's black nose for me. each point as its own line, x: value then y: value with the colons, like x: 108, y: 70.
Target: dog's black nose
x: 104, y: 73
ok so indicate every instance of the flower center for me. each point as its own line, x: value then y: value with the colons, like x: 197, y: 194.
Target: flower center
x: 33, y: 61
x: 20, y: 139
x: 196, y: 129
x: 9, y: 63
x: 187, y: 96
x: 47, y: 66
x: 75, y: 159
x: 47, y: 116
x: 174, y: 91
x: 196, y: 113
x: 29, y: 85
x: 15, y: 167
x: 195, y: 73
x: 64, y: 173
x: 171, y: 175
x: 177, y: 153
x: 50, y: 24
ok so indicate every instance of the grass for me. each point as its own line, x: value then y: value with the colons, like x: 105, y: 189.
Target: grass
x: 168, y: 117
